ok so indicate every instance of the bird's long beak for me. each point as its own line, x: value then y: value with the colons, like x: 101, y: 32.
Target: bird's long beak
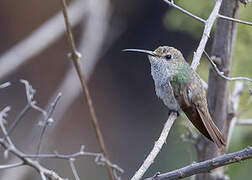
x: 141, y: 51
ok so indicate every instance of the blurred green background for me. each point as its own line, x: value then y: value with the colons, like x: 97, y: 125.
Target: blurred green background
x: 242, y: 136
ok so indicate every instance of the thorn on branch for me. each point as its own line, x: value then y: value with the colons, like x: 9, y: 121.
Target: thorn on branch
x: 74, y: 55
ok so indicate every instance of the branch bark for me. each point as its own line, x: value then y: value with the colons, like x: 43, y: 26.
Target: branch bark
x: 206, y: 166
x: 206, y: 34
x: 157, y: 147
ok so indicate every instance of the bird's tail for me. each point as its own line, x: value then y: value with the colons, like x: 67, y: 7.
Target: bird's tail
x: 212, y: 130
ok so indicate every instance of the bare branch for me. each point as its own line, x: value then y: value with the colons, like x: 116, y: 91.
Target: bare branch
x: 235, y: 20
x: 3, y: 115
x: 8, y: 166
x: 157, y: 147
x: 47, y: 120
x: 18, y: 118
x: 10, y: 147
x: 171, y: 3
x: 206, y: 166
x: 221, y: 74
x: 77, y: 63
x: 207, y: 29
x: 234, y: 104
x: 31, y: 104
x: 244, y: 122
x: 30, y: 93
x: 43, y: 176
x: 4, y: 85
x: 99, y: 157
x: 71, y: 162
x: 204, y: 84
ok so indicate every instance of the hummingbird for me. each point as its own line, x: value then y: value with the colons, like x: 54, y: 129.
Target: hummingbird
x: 180, y: 88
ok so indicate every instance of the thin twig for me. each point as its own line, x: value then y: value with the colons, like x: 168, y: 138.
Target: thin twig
x: 244, y: 122
x: 30, y: 93
x: 207, y: 28
x: 10, y: 147
x: 206, y: 166
x: 234, y: 20
x: 8, y: 166
x: 31, y: 104
x: 234, y: 104
x: 74, y: 170
x: 99, y: 157
x: 18, y: 118
x: 221, y: 74
x: 3, y: 115
x: 47, y: 120
x: 171, y: 3
x: 4, y: 85
x: 157, y: 147
x: 76, y: 60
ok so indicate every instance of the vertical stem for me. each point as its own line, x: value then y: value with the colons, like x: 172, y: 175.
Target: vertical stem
x: 218, y: 91
x: 77, y: 63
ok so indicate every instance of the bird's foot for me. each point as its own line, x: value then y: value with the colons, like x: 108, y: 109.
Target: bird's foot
x: 174, y: 111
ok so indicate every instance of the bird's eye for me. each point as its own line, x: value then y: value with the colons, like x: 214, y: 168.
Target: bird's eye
x: 168, y: 56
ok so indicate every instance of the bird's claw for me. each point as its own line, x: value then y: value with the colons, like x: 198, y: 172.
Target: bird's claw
x: 174, y: 111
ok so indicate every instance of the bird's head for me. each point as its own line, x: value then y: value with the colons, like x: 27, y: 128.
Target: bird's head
x: 163, y: 54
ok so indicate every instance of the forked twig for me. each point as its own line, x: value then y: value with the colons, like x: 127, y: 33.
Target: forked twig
x: 9, y: 147
x: 221, y: 74
x: 208, y: 26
